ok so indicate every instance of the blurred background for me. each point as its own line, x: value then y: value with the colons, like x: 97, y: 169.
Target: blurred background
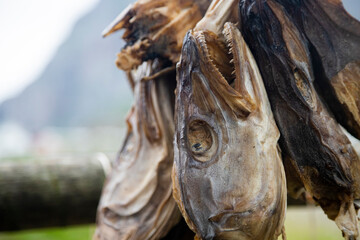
x: 62, y: 99
x: 60, y: 91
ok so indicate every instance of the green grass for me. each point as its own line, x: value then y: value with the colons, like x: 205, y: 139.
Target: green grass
x: 302, y: 223
x: 66, y: 233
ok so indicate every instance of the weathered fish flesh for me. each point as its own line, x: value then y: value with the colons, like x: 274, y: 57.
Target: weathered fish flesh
x: 137, y: 202
x: 155, y: 28
x: 318, y: 150
x: 228, y: 177
x: 335, y: 50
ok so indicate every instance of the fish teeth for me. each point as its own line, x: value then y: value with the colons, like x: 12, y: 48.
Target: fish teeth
x: 202, y: 41
x: 231, y: 50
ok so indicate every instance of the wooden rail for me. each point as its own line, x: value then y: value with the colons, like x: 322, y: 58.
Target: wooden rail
x: 51, y: 194
x: 56, y: 193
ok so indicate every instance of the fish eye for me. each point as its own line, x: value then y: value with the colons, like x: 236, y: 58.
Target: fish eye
x: 200, y: 140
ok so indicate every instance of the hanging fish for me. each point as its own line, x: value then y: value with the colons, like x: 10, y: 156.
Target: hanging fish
x: 320, y: 153
x: 137, y: 202
x: 334, y: 38
x: 228, y: 177
x: 155, y: 29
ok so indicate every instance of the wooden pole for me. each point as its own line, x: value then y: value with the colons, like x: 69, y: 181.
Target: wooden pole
x: 60, y: 193
x: 51, y: 194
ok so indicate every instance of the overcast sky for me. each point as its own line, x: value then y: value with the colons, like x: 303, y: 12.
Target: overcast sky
x: 32, y: 30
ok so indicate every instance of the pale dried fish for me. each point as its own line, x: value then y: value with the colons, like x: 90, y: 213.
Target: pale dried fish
x: 137, y: 201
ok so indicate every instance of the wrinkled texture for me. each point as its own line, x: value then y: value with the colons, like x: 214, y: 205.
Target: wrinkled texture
x: 228, y: 177
x: 319, y: 151
x: 346, y: 84
x: 334, y: 38
x: 155, y: 29
x: 137, y: 202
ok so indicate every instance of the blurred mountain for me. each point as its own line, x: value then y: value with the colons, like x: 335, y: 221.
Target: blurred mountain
x: 81, y: 86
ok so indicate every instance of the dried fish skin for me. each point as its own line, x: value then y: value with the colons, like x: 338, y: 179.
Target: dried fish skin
x: 137, y: 202
x: 218, y: 13
x: 346, y: 84
x: 321, y: 153
x: 228, y: 177
x: 155, y: 29
x: 334, y: 36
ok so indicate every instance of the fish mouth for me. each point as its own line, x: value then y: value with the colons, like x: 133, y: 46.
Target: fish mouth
x: 217, y: 53
x: 224, y: 62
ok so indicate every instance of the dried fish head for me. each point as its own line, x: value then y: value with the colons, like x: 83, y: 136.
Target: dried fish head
x: 155, y: 28
x: 228, y: 177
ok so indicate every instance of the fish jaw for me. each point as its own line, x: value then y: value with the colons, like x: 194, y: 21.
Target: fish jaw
x: 212, y: 57
x: 228, y: 177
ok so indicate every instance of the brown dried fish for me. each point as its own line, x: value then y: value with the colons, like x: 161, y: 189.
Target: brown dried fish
x: 318, y: 150
x: 334, y: 37
x: 228, y: 177
x: 155, y: 28
x: 137, y: 202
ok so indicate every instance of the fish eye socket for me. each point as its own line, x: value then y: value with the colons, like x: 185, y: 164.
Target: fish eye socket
x: 200, y: 140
